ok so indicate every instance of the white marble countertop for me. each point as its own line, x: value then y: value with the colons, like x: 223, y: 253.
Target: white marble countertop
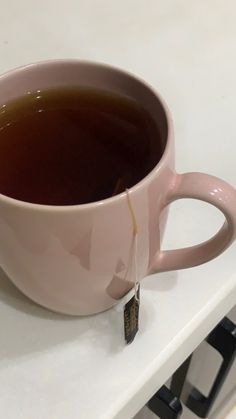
x: 57, y: 367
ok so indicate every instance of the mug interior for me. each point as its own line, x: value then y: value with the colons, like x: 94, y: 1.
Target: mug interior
x: 72, y: 73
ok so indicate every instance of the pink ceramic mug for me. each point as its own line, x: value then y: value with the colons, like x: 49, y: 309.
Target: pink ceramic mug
x: 73, y: 259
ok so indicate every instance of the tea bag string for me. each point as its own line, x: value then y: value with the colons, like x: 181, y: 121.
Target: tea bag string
x: 135, y: 240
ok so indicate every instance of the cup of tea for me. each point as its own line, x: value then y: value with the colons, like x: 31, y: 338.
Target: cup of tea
x: 79, y: 143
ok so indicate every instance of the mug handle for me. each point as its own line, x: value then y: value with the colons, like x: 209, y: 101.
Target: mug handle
x: 214, y: 191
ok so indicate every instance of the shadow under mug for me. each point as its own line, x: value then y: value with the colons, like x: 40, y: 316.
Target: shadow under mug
x: 74, y: 259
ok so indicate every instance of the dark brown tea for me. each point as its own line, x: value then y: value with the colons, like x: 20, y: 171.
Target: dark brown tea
x: 69, y: 146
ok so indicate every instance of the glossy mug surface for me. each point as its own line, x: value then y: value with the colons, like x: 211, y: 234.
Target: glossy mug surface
x: 74, y: 259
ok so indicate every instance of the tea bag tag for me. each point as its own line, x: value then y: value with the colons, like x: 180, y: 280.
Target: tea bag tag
x: 131, y: 309
x: 131, y: 317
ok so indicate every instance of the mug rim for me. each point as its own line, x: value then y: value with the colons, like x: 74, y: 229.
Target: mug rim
x: 113, y: 199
